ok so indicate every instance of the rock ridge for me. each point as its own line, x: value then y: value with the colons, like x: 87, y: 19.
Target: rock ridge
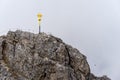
x: 29, y: 56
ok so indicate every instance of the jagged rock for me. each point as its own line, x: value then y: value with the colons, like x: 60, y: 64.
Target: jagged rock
x: 28, y: 56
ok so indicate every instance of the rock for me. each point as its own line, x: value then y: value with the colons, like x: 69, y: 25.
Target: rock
x: 28, y: 56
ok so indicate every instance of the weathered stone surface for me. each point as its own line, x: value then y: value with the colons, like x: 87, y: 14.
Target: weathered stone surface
x: 28, y: 56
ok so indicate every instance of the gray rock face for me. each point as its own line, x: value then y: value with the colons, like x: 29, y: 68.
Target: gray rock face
x: 28, y: 56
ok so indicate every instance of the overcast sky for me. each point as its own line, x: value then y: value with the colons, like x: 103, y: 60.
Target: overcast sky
x: 92, y: 26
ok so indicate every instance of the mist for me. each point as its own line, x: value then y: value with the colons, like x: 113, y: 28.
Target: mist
x: 92, y: 26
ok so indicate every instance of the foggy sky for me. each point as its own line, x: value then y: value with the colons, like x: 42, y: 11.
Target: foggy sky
x: 92, y: 26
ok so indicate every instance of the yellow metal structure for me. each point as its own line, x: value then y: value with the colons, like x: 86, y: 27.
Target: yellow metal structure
x: 39, y: 20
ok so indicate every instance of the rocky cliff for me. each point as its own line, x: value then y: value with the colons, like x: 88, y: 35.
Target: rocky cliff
x: 28, y: 56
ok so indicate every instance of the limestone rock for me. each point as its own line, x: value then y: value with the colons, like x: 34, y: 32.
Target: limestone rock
x: 28, y: 56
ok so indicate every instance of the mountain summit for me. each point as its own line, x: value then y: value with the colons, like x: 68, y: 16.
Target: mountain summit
x: 29, y: 56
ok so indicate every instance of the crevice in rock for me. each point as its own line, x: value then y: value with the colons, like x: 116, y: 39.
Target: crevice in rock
x: 43, y: 76
x: 4, y: 44
x: 68, y: 54
x: 14, y: 44
x: 14, y: 47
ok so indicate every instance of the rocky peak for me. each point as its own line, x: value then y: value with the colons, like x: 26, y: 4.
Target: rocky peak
x: 29, y: 56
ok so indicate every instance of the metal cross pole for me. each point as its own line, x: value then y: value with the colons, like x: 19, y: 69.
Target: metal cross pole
x: 39, y: 21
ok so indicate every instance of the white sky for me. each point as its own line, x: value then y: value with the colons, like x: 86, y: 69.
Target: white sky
x: 92, y: 26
